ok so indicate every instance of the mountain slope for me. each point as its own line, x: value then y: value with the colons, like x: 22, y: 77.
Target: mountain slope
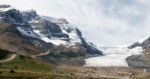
x: 53, y: 41
x: 144, y: 43
x: 143, y: 59
x: 12, y: 40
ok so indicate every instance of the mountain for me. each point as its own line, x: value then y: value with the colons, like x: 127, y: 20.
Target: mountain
x: 142, y: 60
x: 144, y: 43
x: 53, y: 40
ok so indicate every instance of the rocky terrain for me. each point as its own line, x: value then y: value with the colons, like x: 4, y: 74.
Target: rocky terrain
x: 142, y: 60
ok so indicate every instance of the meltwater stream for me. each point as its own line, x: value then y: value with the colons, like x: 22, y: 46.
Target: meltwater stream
x: 113, y: 56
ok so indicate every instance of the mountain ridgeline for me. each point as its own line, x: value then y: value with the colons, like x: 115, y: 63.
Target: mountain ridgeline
x: 53, y: 40
x: 144, y: 43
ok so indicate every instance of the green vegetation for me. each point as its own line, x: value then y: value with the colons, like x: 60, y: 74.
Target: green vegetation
x: 3, y: 53
x: 26, y: 68
x: 41, y: 76
x: 22, y: 63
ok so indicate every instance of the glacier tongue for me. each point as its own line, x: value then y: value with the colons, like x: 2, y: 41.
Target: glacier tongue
x: 113, y: 56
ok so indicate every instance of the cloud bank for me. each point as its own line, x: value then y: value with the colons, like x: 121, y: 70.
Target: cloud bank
x: 104, y: 22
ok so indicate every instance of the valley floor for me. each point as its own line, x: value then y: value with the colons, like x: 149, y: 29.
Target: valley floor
x: 22, y: 67
x: 69, y: 72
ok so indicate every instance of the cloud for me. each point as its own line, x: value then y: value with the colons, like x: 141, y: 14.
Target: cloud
x: 104, y: 22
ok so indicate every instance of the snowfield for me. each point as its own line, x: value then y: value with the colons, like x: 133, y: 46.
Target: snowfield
x: 46, y: 39
x: 5, y: 9
x: 113, y: 56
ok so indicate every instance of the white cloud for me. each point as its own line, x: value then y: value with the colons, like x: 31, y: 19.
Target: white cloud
x: 143, y: 1
x: 106, y: 22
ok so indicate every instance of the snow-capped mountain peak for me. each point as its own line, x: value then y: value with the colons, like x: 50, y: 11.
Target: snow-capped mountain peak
x: 29, y: 23
x: 56, y: 31
x: 143, y: 39
x: 144, y: 43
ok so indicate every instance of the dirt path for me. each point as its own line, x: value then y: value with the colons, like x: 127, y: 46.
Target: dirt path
x: 113, y: 77
x: 8, y: 59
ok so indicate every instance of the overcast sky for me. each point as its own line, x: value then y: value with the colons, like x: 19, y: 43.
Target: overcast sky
x: 104, y: 22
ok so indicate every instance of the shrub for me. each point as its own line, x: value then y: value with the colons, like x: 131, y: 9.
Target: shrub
x: 1, y: 72
x: 12, y: 71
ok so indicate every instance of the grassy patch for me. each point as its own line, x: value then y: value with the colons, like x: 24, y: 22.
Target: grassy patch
x: 26, y: 64
x: 3, y: 54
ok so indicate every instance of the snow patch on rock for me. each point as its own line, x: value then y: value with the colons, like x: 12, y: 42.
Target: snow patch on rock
x: 48, y: 40
x: 27, y: 32
x: 65, y: 25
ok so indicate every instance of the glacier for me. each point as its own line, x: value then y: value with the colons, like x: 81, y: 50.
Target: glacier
x: 113, y: 57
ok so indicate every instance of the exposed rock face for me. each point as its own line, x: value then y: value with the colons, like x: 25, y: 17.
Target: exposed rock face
x: 141, y: 61
x: 12, y: 40
x: 29, y: 34
x: 4, y: 6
